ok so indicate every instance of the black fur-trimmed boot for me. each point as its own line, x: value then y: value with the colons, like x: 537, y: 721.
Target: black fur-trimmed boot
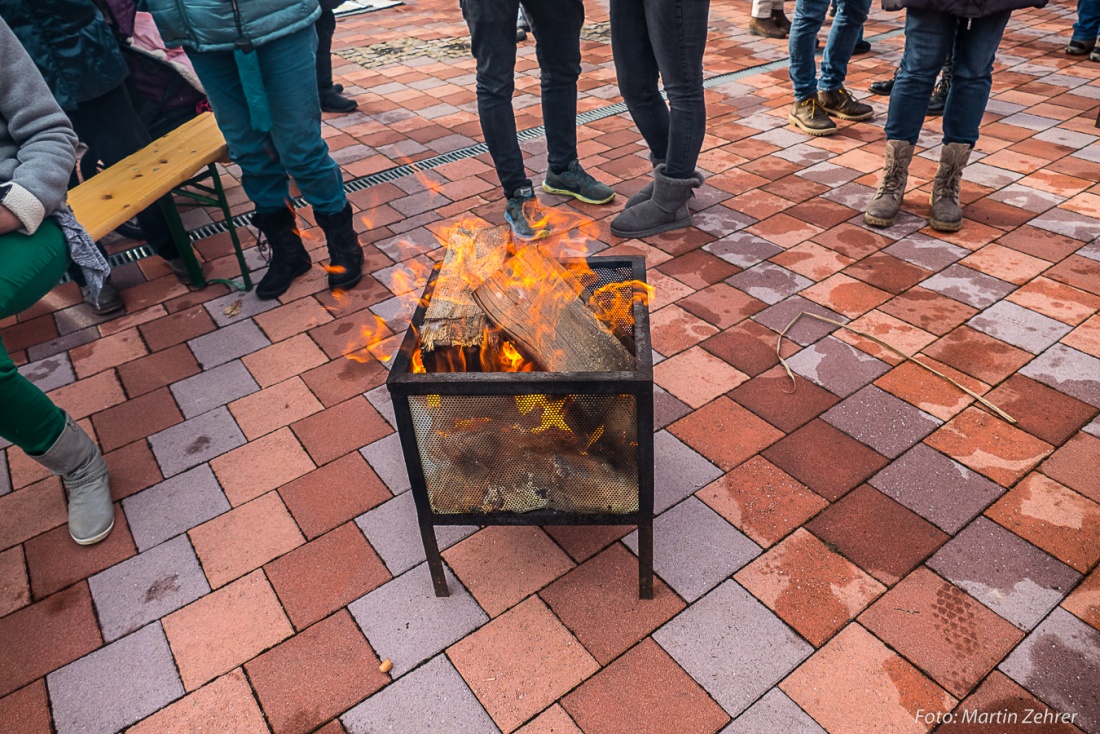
x: 289, y: 258
x: 344, y: 251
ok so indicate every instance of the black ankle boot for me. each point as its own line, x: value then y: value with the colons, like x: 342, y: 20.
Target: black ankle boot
x: 344, y: 251
x: 289, y: 258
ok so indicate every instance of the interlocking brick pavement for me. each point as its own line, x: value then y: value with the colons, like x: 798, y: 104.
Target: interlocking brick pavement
x: 833, y: 559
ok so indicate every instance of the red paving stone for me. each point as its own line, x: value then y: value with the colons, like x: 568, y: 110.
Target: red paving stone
x: 566, y: 634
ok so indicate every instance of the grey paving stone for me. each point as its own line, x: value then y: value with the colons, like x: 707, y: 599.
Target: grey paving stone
x: 938, y: 488
x: 406, y: 622
x: 969, y: 286
x: 146, y: 587
x: 116, y: 685
x: 385, y: 457
x: 62, y: 343
x: 837, y: 366
x: 926, y: 252
x: 379, y: 397
x: 5, y: 476
x: 802, y: 153
x: 213, y: 388
x: 404, y: 706
x: 1075, y: 373
x: 721, y: 220
x: 250, y: 305
x: 1071, y: 224
x: 695, y: 549
x: 1019, y: 326
x: 666, y: 408
x: 49, y: 373
x: 196, y: 441
x: 733, y: 646
x: 1092, y: 428
x: 677, y: 471
x: 742, y: 249
x: 829, y: 174
x: 225, y: 345
x: 1005, y: 572
x: 906, y: 225
x: 888, y: 425
x: 807, y: 330
x: 769, y: 282
x: 1060, y: 663
x: 393, y: 532
x: 396, y: 312
x: 1092, y: 251
x: 853, y: 195
x: 1025, y: 197
x: 986, y: 175
x: 174, y: 506
x: 775, y: 713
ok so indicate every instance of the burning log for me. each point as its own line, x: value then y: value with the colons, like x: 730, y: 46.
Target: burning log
x: 452, y: 318
x: 535, y: 301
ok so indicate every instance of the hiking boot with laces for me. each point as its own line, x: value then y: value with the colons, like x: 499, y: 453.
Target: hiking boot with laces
x: 811, y: 118
x: 840, y: 103
x: 1095, y: 55
x: 884, y: 206
x: 523, y: 214
x: 1080, y: 48
x: 780, y: 19
x: 576, y: 182
x: 766, y: 27
x: 946, y: 210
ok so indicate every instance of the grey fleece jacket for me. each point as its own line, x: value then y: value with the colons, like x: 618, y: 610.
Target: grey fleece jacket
x: 37, y: 142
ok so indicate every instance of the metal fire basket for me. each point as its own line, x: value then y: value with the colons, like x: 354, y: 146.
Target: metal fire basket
x: 477, y: 445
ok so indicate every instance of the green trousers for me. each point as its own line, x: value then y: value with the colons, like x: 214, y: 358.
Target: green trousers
x: 30, y: 265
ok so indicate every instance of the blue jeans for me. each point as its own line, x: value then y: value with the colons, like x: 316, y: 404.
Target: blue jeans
x: 929, y: 37
x: 809, y: 15
x: 294, y: 146
x: 666, y: 38
x: 1087, y: 27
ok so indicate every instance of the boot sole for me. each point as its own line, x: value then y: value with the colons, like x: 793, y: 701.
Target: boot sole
x: 945, y: 226
x: 271, y: 295
x: 95, y: 538
x: 566, y: 192
x: 878, y: 221
x: 679, y: 224
x: 345, y: 286
x: 765, y: 35
x: 809, y: 130
x: 849, y: 118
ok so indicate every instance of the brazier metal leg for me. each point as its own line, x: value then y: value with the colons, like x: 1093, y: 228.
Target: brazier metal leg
x: 645, y: 561
x: 435, y: 561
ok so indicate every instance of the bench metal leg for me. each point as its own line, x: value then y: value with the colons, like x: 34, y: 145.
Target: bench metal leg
x: 207, y: 195
x: 224, y: 204
x: 182, y: 240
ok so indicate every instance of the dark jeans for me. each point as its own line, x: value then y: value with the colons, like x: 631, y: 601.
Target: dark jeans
x: 666, y: 38
x: 929, y: 38
x: 847, y: 30
x: 1087, y: 26
x: 111, y: 128
x: 326, y: 26
x: 556, y: 25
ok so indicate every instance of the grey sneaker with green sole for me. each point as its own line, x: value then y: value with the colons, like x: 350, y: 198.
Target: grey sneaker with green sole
x: 576, y: 182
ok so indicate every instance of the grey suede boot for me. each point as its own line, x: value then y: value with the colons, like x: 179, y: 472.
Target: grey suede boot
x: 646, y: 192
x: 947, y: 213
x: 884, y: 206
x: 84, y: 472
x: 666, y: 210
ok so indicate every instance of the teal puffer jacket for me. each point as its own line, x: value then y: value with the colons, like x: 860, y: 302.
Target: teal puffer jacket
x: 209, y: 25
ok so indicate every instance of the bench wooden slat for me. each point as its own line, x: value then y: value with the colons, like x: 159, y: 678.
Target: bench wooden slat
x: 115, y: 195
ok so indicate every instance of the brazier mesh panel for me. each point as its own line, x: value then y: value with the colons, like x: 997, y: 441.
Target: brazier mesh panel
x: 518, y: 453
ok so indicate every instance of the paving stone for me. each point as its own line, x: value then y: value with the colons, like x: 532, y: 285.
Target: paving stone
x: 1068, y: 370
x: 999, y: 702
x: 826, y: 460
x: 237, y: 307
x: 388, y: 461
x: 226, y: 704
x: 1019, y: 326
x: 406, y: 622
x: 694, y: 549
x: 937, y: 488
x: 393, y: 531
x: 116, y: 685
x: 969, y: 286
x: 49, y: 373
x: 1006, y: 573
x: 55, y: 561
x: 1059, y: 662
x: 333, y: 494
x: 978, y: 355
x: 174, y: 506
x: 878, y: 419
x: 678, y: 471
x: 5, y: 476
x: 808, y: 330
x: 379, y: 397
x: 836, y: 366
x: 213, y: 388
x: 27, y: 710
x: 989, y: 445
x: 402, y: 706
x: 1073, y: 465
x: 742, y: 249
x: 196, y: 441
x: 768, y: 282
x: 775, y: 713
x: 733, y: 646
x: 227, y: 344
x: 926, y: 252
x: 147, y: 587
x: 1043, y: 412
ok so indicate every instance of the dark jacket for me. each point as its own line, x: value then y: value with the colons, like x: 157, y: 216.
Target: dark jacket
x: 71, y: 44
x: 963, y: 8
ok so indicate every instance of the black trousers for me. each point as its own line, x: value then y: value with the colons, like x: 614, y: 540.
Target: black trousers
x: 326, y: 26
x: 112, y: 130
x: 556, y: 25
x: 665, y: 38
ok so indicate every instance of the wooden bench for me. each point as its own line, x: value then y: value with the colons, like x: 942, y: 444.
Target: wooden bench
x: 182, y: 162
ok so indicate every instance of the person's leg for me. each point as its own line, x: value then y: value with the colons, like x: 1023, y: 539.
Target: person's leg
x: 928, y: 37
x: 1087, y: 27
x: 808, y: 18
x: 29, y: 267
x: 492, y: 25
x: 326, y: 27
x: 678, y: 32
x: 557, y: 28
x: 972, y: 77
x: 847, y: 30
x: 636, y: 68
